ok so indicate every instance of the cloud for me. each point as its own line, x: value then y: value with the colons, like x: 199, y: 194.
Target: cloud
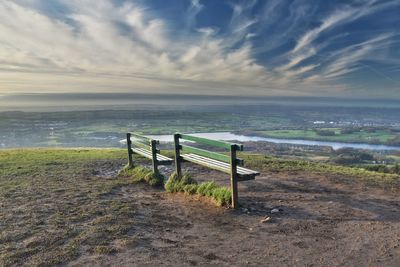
x: 193, y: 11
x: 345, y: 60
x: 103, y: 46
x: 94, y: 45
x: 338, y: 62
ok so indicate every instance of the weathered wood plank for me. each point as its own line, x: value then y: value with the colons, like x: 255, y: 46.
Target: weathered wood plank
x: 142, y: 137
x: 240, y: 170
x: 142, y: 152
x: 129, y: 145
x: 178, y: 167
x: 154, y: 155
x: 210, y: 142
x: 147, y: 154
x: 141, y: 145
x: 205, y: 163
x: 144, y: 142
x: 163, y: 158
x: 234, y: 187
x: 205, y: 153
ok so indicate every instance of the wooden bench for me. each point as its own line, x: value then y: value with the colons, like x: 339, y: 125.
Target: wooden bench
x: 218, y: 161
x: 147, y: 148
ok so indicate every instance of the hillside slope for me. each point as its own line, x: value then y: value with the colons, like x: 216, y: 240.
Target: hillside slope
x: 69, y: 206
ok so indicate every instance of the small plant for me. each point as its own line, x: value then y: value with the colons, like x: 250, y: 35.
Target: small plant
x: 142, y: 174
x: 104, y: 250
x: 176, y: 184
x: 187, y: 185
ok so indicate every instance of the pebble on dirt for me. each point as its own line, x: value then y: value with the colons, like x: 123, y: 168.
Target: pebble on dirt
x: 265, y: 220
x: 274, y: 211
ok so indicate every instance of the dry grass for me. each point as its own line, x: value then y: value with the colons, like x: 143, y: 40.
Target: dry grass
x: 57, y: 205
x: 143, y: 174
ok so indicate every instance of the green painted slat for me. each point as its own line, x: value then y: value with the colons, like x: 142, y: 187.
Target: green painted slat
x: 139, y: 136
x: 210, y: 142
x: 143, y: 153
x: 205, y: 153
x: 140, y: 144
x: 144, y: 142
x: 206, y: 164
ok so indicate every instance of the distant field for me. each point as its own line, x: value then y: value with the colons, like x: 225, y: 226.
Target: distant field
x: 377, y: 137
x: 287, y: 165
x: 104, y: 128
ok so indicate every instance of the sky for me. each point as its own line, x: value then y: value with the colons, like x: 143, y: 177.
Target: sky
x: 341, y: 48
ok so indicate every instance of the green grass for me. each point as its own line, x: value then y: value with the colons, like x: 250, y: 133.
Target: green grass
x: 40, y: 165
x: 142, y: 174
x: 187, y: 185
x: 54, y: 207
x: 272, y: 164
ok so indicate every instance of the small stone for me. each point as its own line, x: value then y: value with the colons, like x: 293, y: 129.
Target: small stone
x: 265, y: 220
x: 274, y: 211
x: 245, y: 210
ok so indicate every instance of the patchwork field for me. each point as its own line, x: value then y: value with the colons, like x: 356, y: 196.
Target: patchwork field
x: 105, y: 128
x: 378, y: 136
x: 70, y: 207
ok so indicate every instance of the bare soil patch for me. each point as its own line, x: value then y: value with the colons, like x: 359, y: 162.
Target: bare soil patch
x: 321, y: 222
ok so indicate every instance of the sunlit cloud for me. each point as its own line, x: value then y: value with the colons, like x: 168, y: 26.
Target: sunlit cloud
x: 101, y: 46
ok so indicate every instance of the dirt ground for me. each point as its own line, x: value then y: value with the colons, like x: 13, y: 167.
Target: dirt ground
x: 321, y: 222
x: 88, y: 216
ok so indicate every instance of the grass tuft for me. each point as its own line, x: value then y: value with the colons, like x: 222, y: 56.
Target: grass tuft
x: 187, y: 185
x: 105, y: 250
x: 142, y: 174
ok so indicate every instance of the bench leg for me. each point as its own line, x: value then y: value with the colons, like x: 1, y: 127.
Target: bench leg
x: 154, y: 156
x: 178, y: 168
x: 234, y: 187
x: 129, y: 144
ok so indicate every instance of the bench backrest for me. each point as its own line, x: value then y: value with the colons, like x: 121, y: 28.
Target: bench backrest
x: 232, y: 160
x: 209, y: 154
x: 142, y: 141
x: 145, y: 143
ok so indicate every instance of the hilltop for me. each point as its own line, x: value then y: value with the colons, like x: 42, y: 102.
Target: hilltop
x: 70, y: 207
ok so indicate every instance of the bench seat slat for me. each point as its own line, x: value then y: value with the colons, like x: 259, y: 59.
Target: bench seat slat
x: 240, y: 170
x: 218, y: 165
x: 205, y: 153
x: 147, y: 153
x: 208, y: 164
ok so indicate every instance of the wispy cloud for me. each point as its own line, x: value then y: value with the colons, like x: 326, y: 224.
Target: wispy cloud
x: 338, y: 62
x: 94, y: 44
x: 101, y: 45
x: 193, y: 11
